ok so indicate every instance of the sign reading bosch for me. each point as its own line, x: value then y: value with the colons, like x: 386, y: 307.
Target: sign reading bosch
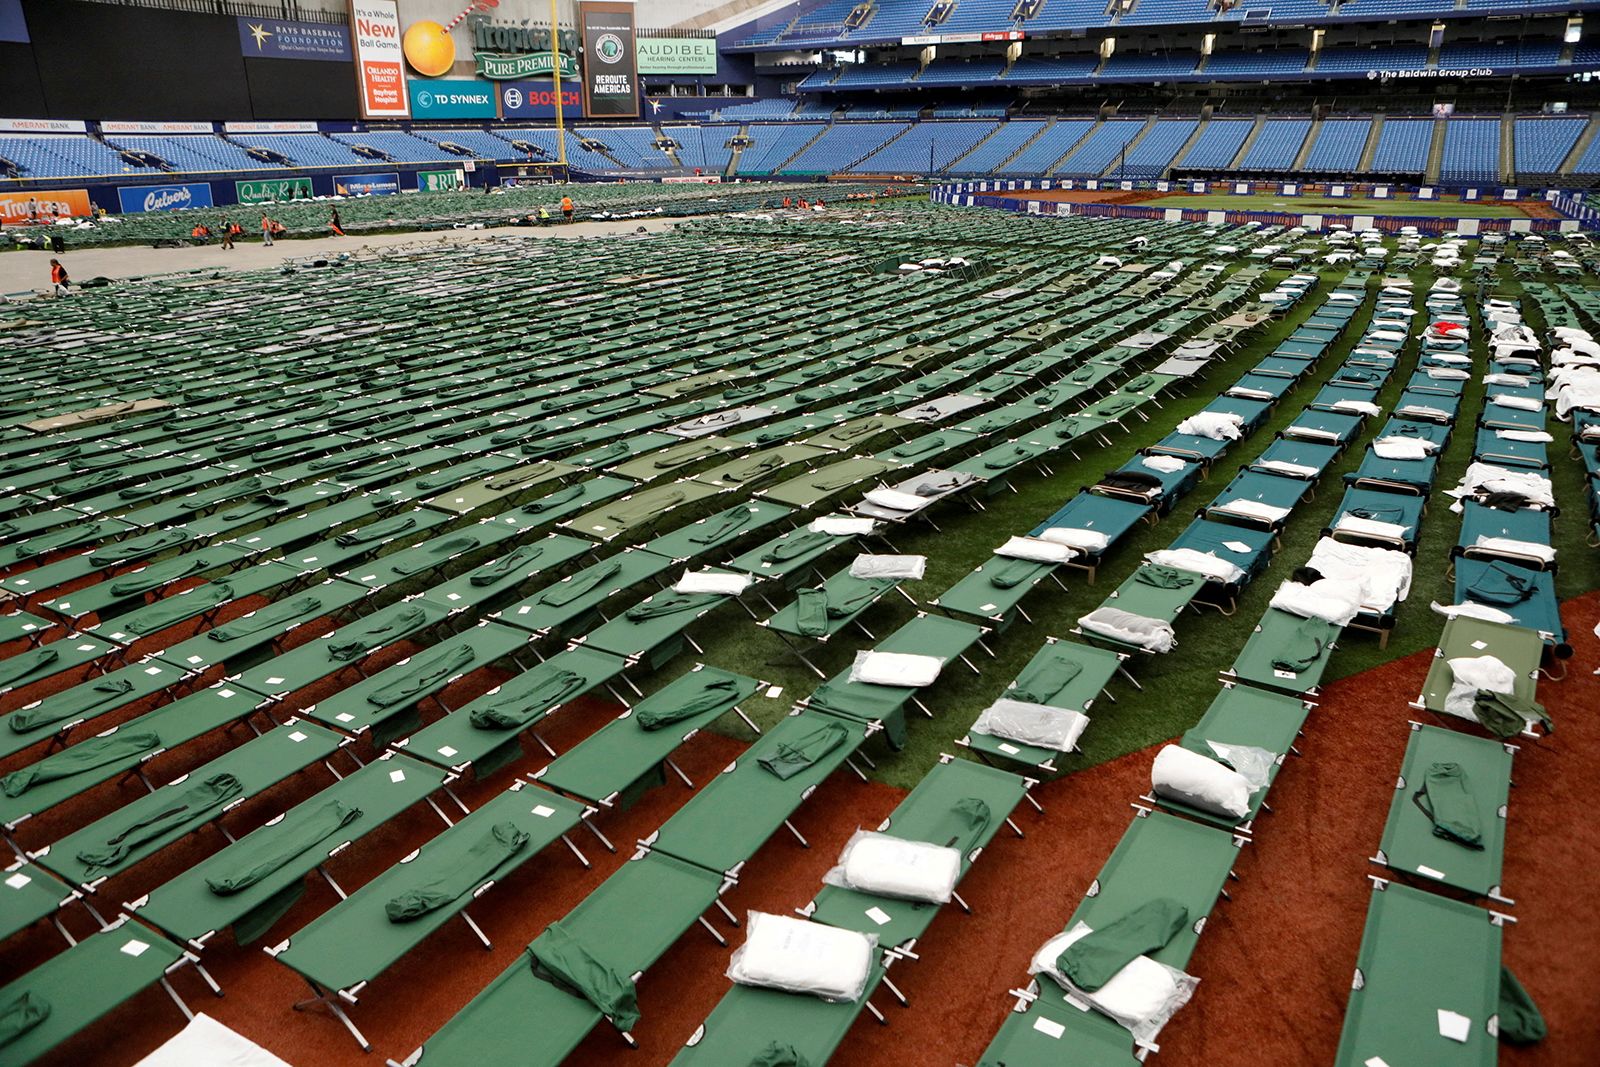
x: 610, y: 75
x: 536, y: 100
x: 452, y: 98
x: 141, y: 198
x: 366, y: 184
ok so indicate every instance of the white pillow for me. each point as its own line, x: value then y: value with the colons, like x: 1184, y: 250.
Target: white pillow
x: 1141, y: 997
x: 895, y: 500
x: 1200, y: 782
x: 1164, y: 464
x: 893, y: 867
x: 895, y: 668
x: 712, y: 582
x: 803, y: 957
x: 841, y: 526
x: 1087, y: 540
x: 1036, y: 549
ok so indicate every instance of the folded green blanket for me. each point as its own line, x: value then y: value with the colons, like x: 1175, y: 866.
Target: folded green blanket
x: 97, y: 752
x: 563, y: 593
x: 1520, y: 1020
x: 284, y: 846
x: 780, y: 1055
x: 486, y: 856
x: 353, y: 643
x: 158, y: 575
x: 377, y: 531
x: 187, y: 807
x: 1160, y: 577
x: 17, y: 668
x: 1303, y: 646
x: 812, y: 612
x: 164, y: 613
x: 1046, y: 676
x: 791, y: 758
x: 49, y: 712
x: 560, y: 959
x: 625, y: 513
x: 138, y: 547
x: 719, y: 528
x: 1013, y: 572
x: 513, y: 562
x: 23, y: 1013
x: 1502, y: 585
x: 424, y: 674
x: 454, y: 546
x: 520, y: 479
x: 797, y: 545
x: 534, y: 508
x: 653, y: 713
x: 1094, y: 959
x: 1448, y: 803
x: 688, y: 455
x: 749, y: 472
x: 1507, y: 715
x: 271, y: 617
x: 522, y: 709
x: 669, y: 603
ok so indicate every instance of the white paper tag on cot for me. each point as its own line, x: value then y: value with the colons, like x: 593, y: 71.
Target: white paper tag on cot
x: 1049, y: 1027
x: 137, y: 948
x: 544, y: 811
x: 397, y: 776
x: 774, y: 692
x: 1236, y: 546
x: 1375, y: 1061
x: 878, y: 915
x: 1454, y: 1025
x: 18, y: 880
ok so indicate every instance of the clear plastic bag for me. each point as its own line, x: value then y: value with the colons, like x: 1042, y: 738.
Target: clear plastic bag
x: 1141, y: 997
x: 893, y: 867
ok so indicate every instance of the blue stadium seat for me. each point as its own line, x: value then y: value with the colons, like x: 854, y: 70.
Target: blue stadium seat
x: 841, y: 145
x: 1100, y: 149
x: 1153, y: 154
x: 938, y: 143
x: 1471, y: 151
x: 1541, y: 145
x: 960, y: 71
x: 1148, y: 66
x: 703, y: 148
x: 1277, y: 145
x: 1217, y: 144
x: 63, y: 155
x: 1403, y: 146
x: 1273, y: 61
x: 1054, y: 143
x: 774, y: 143
x: 1337, y: 149
x: 987, y: 157
x: 1052, y: 70
x: 398, y: 146
x: 632, y: 146
x: 192, y: 154
x: 1387, y: 57
x: 305, y: 149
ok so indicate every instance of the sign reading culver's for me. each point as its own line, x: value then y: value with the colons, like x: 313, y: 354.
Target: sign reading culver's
x: 140, y: 198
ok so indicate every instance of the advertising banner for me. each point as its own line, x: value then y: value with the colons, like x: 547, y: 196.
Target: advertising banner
x: 610, y: 80
x: 141, y: 198
x: 17, y: 208
x: 366, y: 184
x: 281, y: 39
x: 537, y: 100
x: 272, y: 190
x: 530, y: 65
x: 452, y: 98
x: 439, y: 181
x: 380, y: 73
x: 13, y: 27
x: 43, y: 126
x: 677, y: 55
x: 155, y: 127
x: 270, y: 127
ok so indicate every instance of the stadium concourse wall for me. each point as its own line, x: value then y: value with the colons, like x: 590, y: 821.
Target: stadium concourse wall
x: 1002, y: 194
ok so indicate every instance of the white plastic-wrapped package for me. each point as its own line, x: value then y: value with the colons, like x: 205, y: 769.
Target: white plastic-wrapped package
x: 893, y: 867
x: 1032, y: 724
x: 1218, y: 426
x: 803, y: 957
x: 1371, y: 527
x: 712, y: 582
x: 1468, y: 674
x: 1209, y: 564
x: 1141, y: 997
x: 1196, y: 780
x: 1164, y: 464
x: 868, y: 565
x: 895, y: 500
x: 1401, y: 448
x: 1156, y: 635
x: 895, y: 668
x: 1252, y: 763
x: 841, y: 525
x: 1335, y: 600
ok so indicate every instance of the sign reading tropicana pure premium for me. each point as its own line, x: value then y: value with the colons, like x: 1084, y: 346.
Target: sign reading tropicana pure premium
x: 610, y: 72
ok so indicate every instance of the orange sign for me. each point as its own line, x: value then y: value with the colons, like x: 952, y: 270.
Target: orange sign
x: 18, y: 208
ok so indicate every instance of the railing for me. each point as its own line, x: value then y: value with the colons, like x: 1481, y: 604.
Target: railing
x: 282, y: 9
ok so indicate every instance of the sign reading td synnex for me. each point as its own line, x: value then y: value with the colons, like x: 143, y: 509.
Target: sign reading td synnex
x: 452, y: 98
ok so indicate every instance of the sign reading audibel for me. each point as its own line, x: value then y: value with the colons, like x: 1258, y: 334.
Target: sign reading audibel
x: 610, y: 59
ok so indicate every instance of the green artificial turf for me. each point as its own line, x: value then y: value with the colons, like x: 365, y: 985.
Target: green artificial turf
x: 1340, y: 205
x: 1177, y: 687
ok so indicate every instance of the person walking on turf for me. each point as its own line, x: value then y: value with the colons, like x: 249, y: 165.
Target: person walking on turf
x: 228, y: 229
x: 58, y: 277
x: 266, y: 230
x: 336, y: 224
x: 566, y: 208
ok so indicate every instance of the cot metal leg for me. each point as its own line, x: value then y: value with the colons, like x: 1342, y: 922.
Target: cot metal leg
x: 797, y: 835
x: 440, y: 812
x: 62, y: 930
x: 712, y: 930
x: 734, y: 919
x: 870, y: 636
x: 476, y: 929
x: 593, y: 829
x: 565, y: 840
x: 876, y: 1014
x: 636, y: 690
x: 753, y: 727
x: 1038, y: 807
x: 901, y: 997
x: 545, y: 744
x: 187, y: 1014
x: 451, y: 793
x: 961, y: 903
x: 1015, y: 828
x: 326, y: 877
x: 691, y: 643
x: 616, y: 695
x: 679, y: 772
x: 205, y: 976
x: 858, y: 770
x: 1131, y: 679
